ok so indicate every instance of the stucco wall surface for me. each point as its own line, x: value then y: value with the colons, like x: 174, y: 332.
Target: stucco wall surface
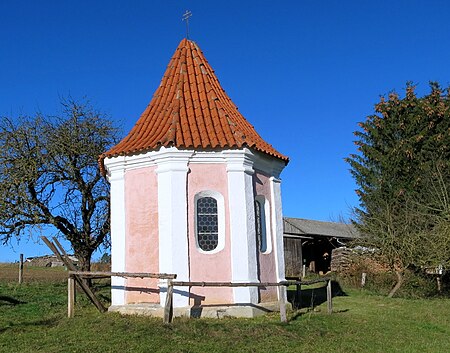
x: 142, y: 252
x: 267, y: 266
x: 203, y: 266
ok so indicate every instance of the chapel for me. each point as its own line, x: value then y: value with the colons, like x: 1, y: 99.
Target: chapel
x: 195, y: 191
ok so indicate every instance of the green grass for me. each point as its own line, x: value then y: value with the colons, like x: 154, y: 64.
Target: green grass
x: 10, y: 273
x: 33, y: 319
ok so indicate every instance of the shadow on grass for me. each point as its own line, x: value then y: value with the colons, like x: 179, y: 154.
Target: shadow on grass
x: 296, y: 315
x: 5, y: 300
x: 37, y: 323
x: 312, y: 297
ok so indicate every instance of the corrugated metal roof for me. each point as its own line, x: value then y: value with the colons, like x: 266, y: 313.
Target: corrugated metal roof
x: 307, y: 227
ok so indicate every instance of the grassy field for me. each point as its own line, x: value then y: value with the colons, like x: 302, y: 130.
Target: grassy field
x: 33, y: 319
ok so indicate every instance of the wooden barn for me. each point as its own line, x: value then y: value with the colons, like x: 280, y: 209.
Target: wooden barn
x: 310, y: 243
x: 48, y: 261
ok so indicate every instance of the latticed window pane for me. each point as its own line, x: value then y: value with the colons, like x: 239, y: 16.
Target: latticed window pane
x: 207, y: 223
x: 260, y: 226
x: 258, y: 222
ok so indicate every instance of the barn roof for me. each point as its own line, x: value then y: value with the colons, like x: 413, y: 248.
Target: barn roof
x: 306, y: 227
x: 190, y: 109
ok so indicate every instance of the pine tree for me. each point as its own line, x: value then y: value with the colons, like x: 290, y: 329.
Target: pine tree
x: 403, y: 175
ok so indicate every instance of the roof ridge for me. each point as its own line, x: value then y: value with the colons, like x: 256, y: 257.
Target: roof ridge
x: 293, y: 225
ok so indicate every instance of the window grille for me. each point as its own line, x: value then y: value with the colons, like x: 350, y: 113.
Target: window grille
x: 207, y: 223
x: 260, y: 226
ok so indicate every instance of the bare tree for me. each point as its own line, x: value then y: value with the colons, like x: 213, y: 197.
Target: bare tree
x: 49, y: 176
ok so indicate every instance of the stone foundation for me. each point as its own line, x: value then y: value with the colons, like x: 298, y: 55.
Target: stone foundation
x: 209, y: 311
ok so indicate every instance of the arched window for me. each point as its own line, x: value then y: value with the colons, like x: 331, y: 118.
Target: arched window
x: 262, y: 224
x: 209, y: 221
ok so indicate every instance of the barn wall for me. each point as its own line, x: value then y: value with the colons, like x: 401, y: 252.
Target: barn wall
x: 293, y: 256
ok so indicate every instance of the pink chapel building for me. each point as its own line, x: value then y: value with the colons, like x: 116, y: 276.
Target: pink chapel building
x: 195, y: 191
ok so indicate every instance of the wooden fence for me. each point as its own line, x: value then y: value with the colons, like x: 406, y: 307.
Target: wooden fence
x: 74, y: 275
x: 171, y: 283
x: 281, y: 298
x: 298, y: 283
x: 80, y: 277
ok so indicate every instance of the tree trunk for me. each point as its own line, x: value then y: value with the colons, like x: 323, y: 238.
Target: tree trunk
x: 397, y: 285
x: 84, y: 262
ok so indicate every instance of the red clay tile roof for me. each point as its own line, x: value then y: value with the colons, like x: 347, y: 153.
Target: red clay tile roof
x: 190, y: 110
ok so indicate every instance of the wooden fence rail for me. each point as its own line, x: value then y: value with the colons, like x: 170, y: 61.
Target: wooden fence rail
x: 298, y: 283
x: 100, y: 274
x: 61, y: 254
x: 230, y: 284
x: 171, y: 283
x: 312, y: 281
x: 281, y: 297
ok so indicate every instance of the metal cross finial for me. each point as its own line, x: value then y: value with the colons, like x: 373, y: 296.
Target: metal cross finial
x: 186, y: 16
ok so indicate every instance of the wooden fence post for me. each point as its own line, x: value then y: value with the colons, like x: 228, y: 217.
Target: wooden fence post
x: 439, y: 283
x: 298, y: 296
x: 70, y: 266
x: 21, y: 269
x: 363, y: 279
x: 329, y: 298
x: 282, y: 303
x: 168, y: 308
x: 70, y: 296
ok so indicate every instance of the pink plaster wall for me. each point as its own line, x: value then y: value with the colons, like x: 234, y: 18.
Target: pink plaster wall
x: 142, y: 252
x: 209, y: 267
x: 267, y: 265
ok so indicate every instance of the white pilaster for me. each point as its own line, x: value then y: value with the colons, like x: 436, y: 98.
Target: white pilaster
x: 116, y: 174
x: 172, y: 220
x: 242, y: 223
x: 277, y: 228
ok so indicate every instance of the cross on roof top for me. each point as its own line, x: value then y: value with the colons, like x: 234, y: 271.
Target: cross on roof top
x: 186, y: 16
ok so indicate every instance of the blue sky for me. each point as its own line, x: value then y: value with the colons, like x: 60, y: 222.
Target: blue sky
x: 302, y: 72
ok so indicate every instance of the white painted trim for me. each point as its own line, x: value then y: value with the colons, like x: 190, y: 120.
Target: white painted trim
x: 242, y: 224
x: 277, y: 228
x: 172, y: 221
x: 270, y: 165
x: 260, y: 161
x: 207, y: 157
x: 220, y: 219
x: 266, y: 222
x: 239, y: 160
x: 118, y: 231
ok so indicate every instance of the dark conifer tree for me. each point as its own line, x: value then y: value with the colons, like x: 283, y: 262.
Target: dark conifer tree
x: 402, y: 170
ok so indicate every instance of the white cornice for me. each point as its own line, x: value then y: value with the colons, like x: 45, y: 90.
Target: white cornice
x: 244, y: 159
x: 172, y: 160
x: 269, y: 165
x: 239, y: 160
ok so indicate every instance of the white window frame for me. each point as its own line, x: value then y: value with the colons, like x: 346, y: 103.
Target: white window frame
x: 266, y: 231
x: 220, y: 220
